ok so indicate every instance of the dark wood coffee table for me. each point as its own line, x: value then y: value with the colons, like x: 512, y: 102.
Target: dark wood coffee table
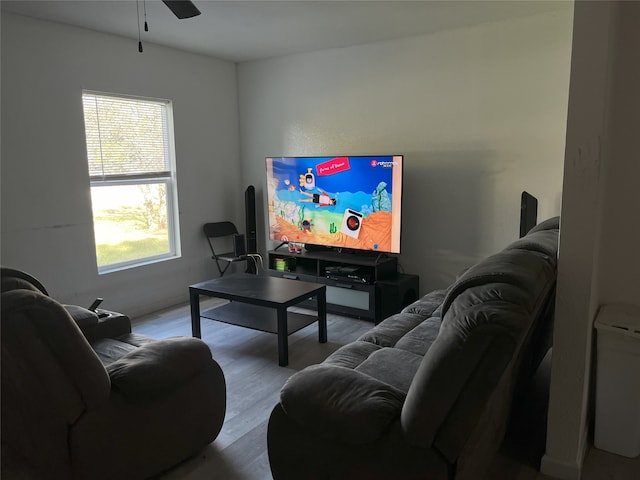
x: 260, y: 303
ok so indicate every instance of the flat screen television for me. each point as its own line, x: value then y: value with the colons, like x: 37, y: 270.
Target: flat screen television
x: 341, y: 202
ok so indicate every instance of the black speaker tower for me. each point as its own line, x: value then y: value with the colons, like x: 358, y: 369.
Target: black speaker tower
x: 250, y: 225
x: 528, y: 213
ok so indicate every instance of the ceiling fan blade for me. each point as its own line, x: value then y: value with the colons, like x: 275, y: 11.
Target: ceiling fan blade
x: 182, y: 8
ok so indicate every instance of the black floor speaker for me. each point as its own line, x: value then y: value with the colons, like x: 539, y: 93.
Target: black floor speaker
x: 528, y: 213
x: 239, y: 247
x: 394, y: 294
x: 250, y: 225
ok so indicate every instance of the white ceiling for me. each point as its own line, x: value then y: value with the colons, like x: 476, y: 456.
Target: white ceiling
x: 240, y: 30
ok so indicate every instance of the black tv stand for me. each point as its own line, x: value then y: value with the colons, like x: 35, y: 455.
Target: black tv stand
x: 375, y: 292
x: 281, y: 244
x: 318, y: 248
x: 362, y: 253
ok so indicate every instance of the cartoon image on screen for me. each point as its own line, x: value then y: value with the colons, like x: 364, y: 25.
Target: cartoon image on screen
x: 343, y: 202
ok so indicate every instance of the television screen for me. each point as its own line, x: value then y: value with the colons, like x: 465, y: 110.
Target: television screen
x: 341, y: 202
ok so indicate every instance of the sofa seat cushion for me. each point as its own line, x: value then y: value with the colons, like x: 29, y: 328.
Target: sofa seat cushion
x: 393, y: 366
x: 427, y: 306
x: 111, y: 349
x: 340, y: 403
x: 419, y: 339
x: 393, y: 350
x: 352, y: 354
x: 409, y: 332
x: 388, y: 332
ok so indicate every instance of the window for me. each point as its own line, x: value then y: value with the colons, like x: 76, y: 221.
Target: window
x: 133, y: 183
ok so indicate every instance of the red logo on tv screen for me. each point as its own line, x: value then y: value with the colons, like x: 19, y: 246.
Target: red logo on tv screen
x: 335, y: 165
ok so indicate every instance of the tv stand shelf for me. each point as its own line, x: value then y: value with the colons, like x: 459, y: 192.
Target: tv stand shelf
x: 375, y: 291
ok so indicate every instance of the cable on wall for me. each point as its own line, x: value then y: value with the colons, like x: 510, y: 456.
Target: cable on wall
x: 139, y: 38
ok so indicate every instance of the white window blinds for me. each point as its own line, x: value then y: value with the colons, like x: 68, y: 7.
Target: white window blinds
x: 126, y: 138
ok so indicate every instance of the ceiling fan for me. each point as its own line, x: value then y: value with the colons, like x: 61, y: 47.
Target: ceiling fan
x: 180, y: 8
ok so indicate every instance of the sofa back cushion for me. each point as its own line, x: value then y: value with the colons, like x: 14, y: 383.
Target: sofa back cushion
x: 488, y: 315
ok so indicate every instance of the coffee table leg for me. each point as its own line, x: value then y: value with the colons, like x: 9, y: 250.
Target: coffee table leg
x: 322, y: 316
x: 283, y: 343
x: 194, y: 299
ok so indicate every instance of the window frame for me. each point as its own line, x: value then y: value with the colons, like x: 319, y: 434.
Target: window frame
x: 167, y: 177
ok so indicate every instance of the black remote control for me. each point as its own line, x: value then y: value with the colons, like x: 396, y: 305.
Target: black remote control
x: 95, y: 304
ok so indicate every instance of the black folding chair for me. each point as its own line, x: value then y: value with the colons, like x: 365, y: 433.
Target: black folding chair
x: 225, y: 233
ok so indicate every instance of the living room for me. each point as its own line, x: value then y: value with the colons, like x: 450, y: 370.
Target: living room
x: 479, y: 112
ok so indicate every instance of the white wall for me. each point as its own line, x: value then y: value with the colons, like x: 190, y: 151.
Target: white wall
x: 46, y: 213
x: 618, y: 255
x: 479, y: 113
x: 599, y: 256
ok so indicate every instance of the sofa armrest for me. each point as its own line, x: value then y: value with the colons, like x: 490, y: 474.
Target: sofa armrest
x: 83, y: 317
x: 341, y: 403
x: 158, y: 367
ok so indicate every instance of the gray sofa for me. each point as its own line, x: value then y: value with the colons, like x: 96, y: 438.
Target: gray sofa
x: 427, y: 393
x: 84, y: 398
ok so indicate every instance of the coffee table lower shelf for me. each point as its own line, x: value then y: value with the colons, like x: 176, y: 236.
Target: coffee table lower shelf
x: 256, y: 317
x: 261, y: 303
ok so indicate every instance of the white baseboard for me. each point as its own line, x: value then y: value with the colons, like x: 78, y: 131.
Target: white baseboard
x: 141, y: 309
x: 565, y: 470
x: 557, y: 469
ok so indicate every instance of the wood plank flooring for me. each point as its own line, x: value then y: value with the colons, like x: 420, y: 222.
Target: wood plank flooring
x: 249, y: 360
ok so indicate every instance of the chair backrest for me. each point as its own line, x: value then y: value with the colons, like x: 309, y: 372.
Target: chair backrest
x: 219, y: 229
x: 223, y: 229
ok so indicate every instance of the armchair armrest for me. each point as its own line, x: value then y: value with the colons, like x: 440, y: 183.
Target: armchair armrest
x: 158, y: 367
x: 341, y: 403
x: 94, y: 326
x: 83, y: 317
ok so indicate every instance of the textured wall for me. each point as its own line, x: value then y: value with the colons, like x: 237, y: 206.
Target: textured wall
x: 479, y: 113
x: 46, y: 212
x: 598, y: 257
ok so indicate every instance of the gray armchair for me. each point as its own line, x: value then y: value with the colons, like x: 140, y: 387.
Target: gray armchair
x: 114, y: 405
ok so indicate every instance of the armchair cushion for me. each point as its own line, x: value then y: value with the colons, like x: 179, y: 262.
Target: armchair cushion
x: 341, y: 403
x: 158, y: 367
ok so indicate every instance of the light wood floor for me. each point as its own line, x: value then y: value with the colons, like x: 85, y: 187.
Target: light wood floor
x: 249, y: 360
